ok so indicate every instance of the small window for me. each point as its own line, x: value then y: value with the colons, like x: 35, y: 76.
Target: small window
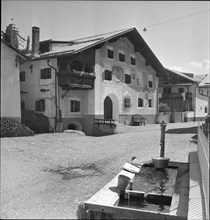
x: 133, y: 61
x: 110, y: 53
x: 150, y: 103
x: 167, y: 90
x: 140, y: 102
x: 181, y: 90
x: 150, y: 84
x: 127, y: 78
x: 22, y: 76
x: 205, y: 110
x: 46, y: 73
x: 74, y: 106
x: 40, y: 105
x: 121, y: 57
x: 108, y: 75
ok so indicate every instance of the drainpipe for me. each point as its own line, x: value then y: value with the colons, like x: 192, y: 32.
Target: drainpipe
x: 157, y: 99
x: 56, y: 94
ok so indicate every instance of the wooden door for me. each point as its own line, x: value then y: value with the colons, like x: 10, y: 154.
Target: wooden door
x: 108, y: 108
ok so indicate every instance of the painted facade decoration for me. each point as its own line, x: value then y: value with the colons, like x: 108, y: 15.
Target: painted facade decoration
x: 180, y: 92
x: 10, y: 83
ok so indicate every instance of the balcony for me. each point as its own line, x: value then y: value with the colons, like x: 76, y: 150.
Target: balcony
x: 172, y: 96
x: 75, y: 80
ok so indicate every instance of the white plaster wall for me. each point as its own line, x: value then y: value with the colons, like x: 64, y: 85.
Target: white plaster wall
x: 33, y: 84
x: 10, y: 84
x: 65, y: 104
x: 119, y: 89
x: 200, y: 103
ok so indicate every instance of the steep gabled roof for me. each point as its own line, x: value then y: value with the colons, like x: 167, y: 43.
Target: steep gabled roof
x: 183, y: 75
x: 205, y: 82
x: 79, y: 45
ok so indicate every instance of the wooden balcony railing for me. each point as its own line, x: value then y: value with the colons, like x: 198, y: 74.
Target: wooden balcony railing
x: 75, y: 80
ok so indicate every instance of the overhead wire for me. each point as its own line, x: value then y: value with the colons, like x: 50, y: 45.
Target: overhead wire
x: 186, y: 16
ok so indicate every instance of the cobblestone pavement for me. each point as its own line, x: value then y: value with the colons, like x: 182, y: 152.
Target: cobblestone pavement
x: 48, y: 175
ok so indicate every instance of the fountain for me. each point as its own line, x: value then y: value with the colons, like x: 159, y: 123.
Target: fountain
x: 161, y: 162
x: 158, y: 189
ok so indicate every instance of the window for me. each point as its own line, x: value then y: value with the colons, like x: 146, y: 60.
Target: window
x: 150, y: 84
x: 110, y: 53
x: 121, y: 57
x: 74, y: 106
x: 133, y: 61
x: 46, y: 73
x: 140, y: 102
x: 127, y: 78
x: 22, y: 76
x: 205, y: 110
x: 167, y: 90
x: 108, y: 75
x: 180, y: 90
x: 40, y: 105
x: 150, y: 103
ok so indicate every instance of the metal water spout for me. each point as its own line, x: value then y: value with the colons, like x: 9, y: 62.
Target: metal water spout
x: 161, y: 162
x: 162, y: 139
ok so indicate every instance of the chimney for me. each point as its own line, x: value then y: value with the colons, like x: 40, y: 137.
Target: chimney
x: 35, y: 40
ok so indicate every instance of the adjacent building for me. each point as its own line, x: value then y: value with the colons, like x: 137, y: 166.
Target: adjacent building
x: 108, y: 76
x: 180, y: 92
x: 10, y: 82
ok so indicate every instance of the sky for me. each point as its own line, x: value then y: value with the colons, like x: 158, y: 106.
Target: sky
x: 182, y: 44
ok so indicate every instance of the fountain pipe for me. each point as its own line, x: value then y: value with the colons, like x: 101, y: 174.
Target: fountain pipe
x: 162, y: 139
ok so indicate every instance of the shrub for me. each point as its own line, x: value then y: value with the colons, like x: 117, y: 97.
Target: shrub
x: 37, y: 122
x: 11, y: 128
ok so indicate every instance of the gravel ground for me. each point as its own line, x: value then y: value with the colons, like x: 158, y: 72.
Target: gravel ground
x: 46, y: 176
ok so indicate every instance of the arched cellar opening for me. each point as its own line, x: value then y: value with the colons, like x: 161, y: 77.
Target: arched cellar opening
x: 72, y: 127
x: 75, y: 125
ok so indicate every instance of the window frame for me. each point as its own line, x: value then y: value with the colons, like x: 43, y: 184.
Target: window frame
x: 127, y: 79
x: 180, y: 89
x: 22, y: 77
x: 142, y: 101
x: 76, y: 100
x: 150, y: 99
x: 40, y: 105
x: 132, y: 58
x: 107, y: 52
x: 108, y: 75
x: 150, y: 83
x: 121, y: 54
x: 44, y: 74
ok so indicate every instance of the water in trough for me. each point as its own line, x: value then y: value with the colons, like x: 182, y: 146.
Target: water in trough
x: 155, y: 189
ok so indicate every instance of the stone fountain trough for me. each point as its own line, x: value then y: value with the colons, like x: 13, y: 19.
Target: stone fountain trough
x: 154, y: 190
x: 150, y: 194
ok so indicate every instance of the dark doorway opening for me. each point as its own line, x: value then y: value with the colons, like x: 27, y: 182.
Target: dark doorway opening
x: 108, y: 108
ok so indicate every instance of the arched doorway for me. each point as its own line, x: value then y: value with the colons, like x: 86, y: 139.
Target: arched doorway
x: 108, y: 108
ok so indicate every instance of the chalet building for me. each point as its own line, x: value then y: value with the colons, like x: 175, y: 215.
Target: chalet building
x: 10, y: 83
x: 107, y: 76
x: 180, y: 92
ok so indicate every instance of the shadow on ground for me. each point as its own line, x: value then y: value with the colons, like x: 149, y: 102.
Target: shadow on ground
x: 190, y: 130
